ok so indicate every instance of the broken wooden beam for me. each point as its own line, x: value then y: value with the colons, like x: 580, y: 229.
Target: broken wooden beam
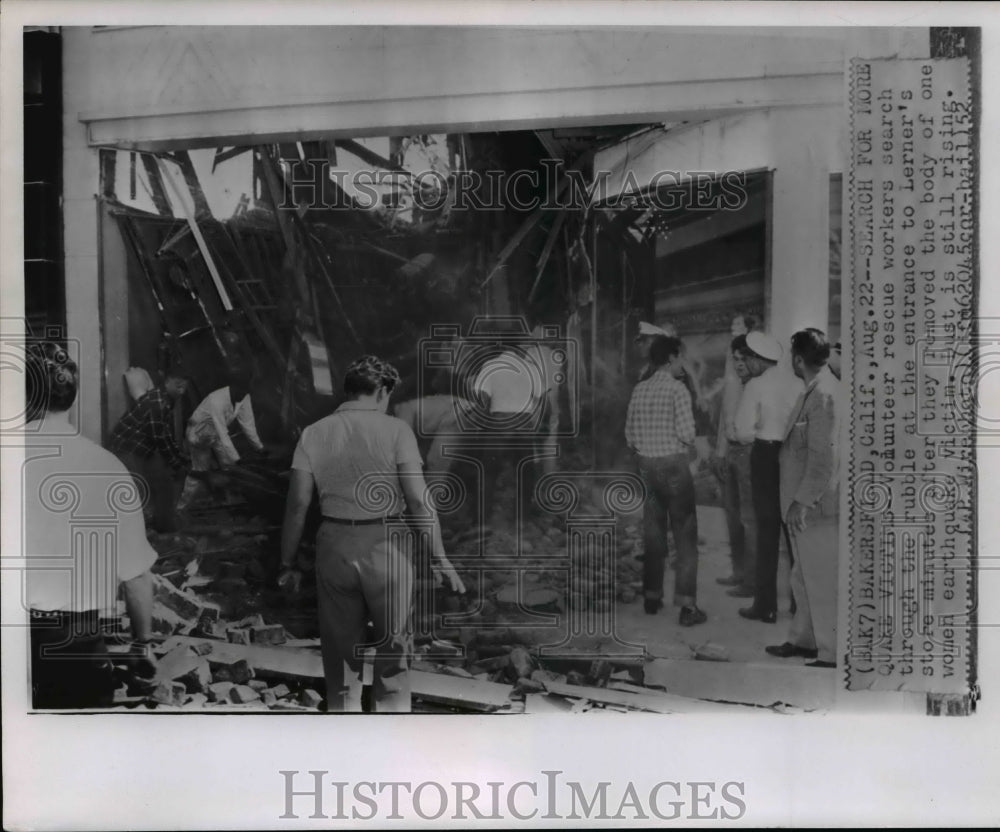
x: 471, y: 694
x: 281, y: 662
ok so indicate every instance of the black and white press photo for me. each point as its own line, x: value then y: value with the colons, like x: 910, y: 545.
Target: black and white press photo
x: 490, y: 374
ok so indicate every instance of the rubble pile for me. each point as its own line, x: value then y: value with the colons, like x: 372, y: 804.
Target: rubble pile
x: 228, y: 639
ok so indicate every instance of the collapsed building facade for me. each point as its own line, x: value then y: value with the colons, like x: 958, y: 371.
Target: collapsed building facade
x: 206, y: 229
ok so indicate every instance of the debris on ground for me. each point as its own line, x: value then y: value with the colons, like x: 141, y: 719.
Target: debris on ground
x: 229, y: 639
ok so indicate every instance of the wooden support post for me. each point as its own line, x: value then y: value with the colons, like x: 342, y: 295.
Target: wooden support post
x: 227, y: 304
x: 183, y: 159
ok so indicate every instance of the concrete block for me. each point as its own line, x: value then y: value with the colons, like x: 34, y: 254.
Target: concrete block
x: 281, y: 691
x: 310, y: 698
x: 257, y: 684
x: 202, y: 649
x: 219, y: 691
x: 242, y: 694
x: 268, y: 698
x: 268, y: 634
x: 575, y: 678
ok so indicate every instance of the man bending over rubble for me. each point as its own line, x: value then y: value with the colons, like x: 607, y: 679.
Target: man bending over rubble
x: 208, y: 432
x: 365, y: 465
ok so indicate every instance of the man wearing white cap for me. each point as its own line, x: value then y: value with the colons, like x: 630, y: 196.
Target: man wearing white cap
x: 761, y: 418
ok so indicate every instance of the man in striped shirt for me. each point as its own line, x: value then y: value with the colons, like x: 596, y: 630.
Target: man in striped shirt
x: 660, y: 428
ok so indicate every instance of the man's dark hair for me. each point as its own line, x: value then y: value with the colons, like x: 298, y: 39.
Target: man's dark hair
x: 663, y: 348
x: 738, y: 344
x: 812, y: 346
x: 751, y: 322
x: 240, y: 384
x: 52, y: 380
x: 367, y: 374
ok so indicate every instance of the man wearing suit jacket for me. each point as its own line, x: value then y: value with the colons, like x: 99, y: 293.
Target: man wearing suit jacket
x: 810, y: 470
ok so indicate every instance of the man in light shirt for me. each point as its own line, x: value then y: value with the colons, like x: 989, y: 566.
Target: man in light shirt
x: 659, y: 428
x: 518, y: 393
x: 208, y: 432
x: 761, y: 418
x: 84, y: 536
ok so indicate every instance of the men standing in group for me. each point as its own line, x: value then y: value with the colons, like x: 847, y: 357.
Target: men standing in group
x: 144, y: 441
x: 208, y: 431
x: 761, y: 418
x: 810, y: 470
x: 733, y: 464
x: 659, y: 428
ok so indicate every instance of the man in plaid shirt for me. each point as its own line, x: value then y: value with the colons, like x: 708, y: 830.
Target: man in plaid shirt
x: 659, y: 428
x: 144, y: 441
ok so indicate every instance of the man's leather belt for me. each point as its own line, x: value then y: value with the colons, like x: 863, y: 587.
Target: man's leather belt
x: 368, y: 521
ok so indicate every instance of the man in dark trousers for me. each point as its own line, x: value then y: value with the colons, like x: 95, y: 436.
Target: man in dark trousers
x: 733, y: 464
x: 761, y: 418
x: 810, y: 469
x: 144, y: 441
x: 78, y: 497
x: 659, y: 428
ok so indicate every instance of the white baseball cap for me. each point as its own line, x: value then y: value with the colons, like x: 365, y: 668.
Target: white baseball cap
x: 764, y: 346
x: 647, y: 330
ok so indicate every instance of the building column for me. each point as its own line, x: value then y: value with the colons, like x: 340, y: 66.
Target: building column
x: 81, y: 183
x: 798, y: 295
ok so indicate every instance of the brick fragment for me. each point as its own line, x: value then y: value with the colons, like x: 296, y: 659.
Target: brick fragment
x: 219, y: 691
x: 242, y: 694
x: 197, y: 680
x: 169, y: 693
x: 238, y: 635
x: 238, y: 672
x: 310, y: 698
x: 196, y: 700
x: 166, y: 595
x: 268, y: 634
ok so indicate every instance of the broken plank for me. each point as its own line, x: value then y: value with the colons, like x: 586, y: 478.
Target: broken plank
x: 752, y: 683
x: 283, y: 662
x: 470, y: 694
